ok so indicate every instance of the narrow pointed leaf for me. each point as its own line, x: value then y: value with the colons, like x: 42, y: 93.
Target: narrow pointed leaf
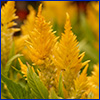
x: 38, y: 88
x: 53, y: 95
x: 12, y: 51
x: 7, y: 67
x: 60, y: 87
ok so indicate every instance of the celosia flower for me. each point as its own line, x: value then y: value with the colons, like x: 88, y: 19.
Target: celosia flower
x: 66, y: 56
x: 7, y: 17
x: 41, y: 40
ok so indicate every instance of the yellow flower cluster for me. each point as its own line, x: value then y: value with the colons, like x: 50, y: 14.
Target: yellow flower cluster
x: 39, y: 43
x: 41, y: 40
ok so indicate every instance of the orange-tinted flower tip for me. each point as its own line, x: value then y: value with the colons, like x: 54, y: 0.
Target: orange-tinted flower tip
x: 39, y: 10
x: 81, y: 56
x: 68, y: 23
x: 85, y: 63
x: 85, y: 69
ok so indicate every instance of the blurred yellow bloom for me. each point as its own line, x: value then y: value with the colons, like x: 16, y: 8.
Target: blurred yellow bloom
x: 7, y: 17
x: 66, y: 56
x: 94, y: 82
x: 28, y: 25
x: 93, y: 20
x: 54, y: 11
x: 26, y: 28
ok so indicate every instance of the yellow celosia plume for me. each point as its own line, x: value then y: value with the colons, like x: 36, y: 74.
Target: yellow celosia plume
x: 94, y: 82
x: 41, y: 39
x: 66, y: 56
x: 7, y: 17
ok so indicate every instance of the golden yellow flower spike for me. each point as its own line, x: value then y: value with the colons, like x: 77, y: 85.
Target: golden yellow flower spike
x: 7, y: 17
x: 94, y: 82
x: 66, y: 56
x: 41, y: 40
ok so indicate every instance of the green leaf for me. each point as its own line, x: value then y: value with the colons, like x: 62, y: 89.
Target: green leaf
x: 16, y: 90
x: 60, y: 86
x: 53, y: 95
x: 38, y: 88
x: 2, y: 86
x: 7, y: 67
x: 85, y: 28
x: 90, y: 51
x: 12, y: 51
x: 2, y: 68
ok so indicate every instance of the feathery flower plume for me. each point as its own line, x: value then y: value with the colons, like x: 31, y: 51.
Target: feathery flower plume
x: 66, y: 56
x: 41, y: 40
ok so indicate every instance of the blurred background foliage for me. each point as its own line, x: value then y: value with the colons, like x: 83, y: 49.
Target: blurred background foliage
x: 84, y: 17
